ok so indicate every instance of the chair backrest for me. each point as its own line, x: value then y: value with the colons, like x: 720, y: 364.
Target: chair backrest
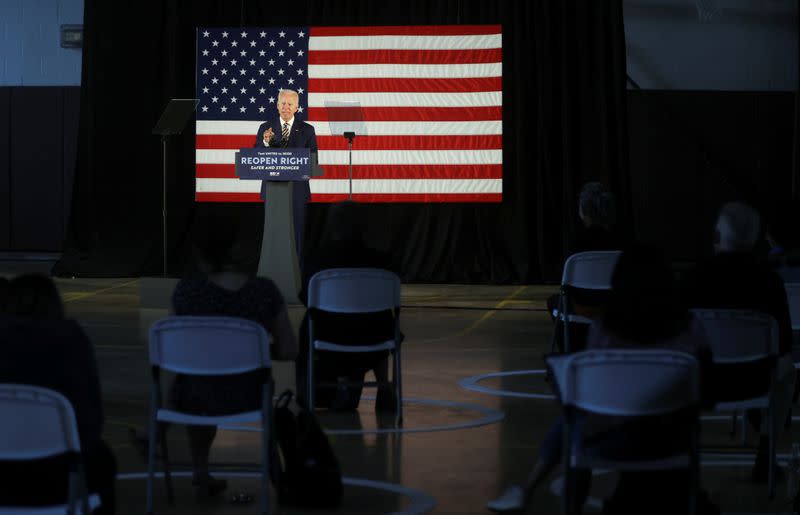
x: 208, y: 345
x: 793, y: 294
x: 627, y: 382
x: 37, y: 423
x: 590, y: 270
x: 354, y: 290
x: 739, y: 336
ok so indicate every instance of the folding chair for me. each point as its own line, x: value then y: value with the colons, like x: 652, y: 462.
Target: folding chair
x: 587, y: 270
x: 355, y: 290
x: 793, y: 296
x: 626, y: 383
x: 195, y: 345
x: 43, y: 426
x: 739, y: 337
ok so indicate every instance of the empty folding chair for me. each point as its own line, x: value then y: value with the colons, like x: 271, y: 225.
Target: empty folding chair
x: 630, y: 384
x: 217, y: 346
x: 40, y: 423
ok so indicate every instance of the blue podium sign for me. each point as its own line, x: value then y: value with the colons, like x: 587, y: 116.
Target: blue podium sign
x: 274, y: 164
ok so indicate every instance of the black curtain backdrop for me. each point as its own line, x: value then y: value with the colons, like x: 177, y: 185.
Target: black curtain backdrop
x: 564, y: 122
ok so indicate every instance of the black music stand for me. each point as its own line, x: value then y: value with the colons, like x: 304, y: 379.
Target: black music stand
x: 171, y: 123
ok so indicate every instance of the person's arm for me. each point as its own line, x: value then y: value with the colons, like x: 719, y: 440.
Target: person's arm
x: 284, y: 343
x: 264, y: 136
x: 312, y: 139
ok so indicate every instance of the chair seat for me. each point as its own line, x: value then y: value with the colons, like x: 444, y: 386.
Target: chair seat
x: 672, y: 462
x: 754, y: 403
x: 94, y: 503
x: 176, y: 417
x: 323, y: 345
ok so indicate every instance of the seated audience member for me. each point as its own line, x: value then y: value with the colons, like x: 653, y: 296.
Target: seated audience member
x: 736, y: 278
x: 644, y: 311
x: 597, y: 212
x: 41, y: 348
x: 783, y: 237
x: 345, y: 248
x: 225, y: 289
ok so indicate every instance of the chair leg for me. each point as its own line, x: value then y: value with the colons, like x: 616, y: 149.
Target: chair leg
x: 162, y: 434
x: 266, y: 435
x: 744, y: 430
x: 772, y: 461
x: 398, y: 385
x: 310, y: 393
x: 151, y: 460
x: 734, y: 419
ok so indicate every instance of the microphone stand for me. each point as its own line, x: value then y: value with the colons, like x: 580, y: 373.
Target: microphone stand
x: 350, y: 136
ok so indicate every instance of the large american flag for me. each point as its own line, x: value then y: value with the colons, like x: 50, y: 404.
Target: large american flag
x: 424, y: 101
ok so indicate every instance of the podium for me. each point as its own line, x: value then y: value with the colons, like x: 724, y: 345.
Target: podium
x: 280, y: 168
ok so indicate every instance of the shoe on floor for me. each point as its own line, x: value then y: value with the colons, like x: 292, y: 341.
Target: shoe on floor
x: 511, y: 500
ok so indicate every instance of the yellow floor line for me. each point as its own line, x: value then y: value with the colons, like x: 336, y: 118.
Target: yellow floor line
x: 81, y: 296
x: 486, y: 316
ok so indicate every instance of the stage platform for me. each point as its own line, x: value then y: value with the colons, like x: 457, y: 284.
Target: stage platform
x: 468, y: 431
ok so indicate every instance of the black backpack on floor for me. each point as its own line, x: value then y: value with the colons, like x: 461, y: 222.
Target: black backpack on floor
x: 305, y: 472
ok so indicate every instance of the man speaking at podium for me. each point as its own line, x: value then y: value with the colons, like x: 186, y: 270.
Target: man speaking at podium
x: 288, y: 131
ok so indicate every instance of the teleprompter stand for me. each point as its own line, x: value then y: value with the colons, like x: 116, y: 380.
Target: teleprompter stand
x: 171, y: 123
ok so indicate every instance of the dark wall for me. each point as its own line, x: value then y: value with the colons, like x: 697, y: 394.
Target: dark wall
x: 690, y: 151
x: 38, y: 135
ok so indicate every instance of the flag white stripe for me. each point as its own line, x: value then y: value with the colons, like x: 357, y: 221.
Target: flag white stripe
x: 414, y: 71
x: 203, y: 185
x: 405, y: 99
x: 376, y: 157
x: 379, y: 186
x: 400, y: 42
x: 482, y: 127
x: 324, y: 128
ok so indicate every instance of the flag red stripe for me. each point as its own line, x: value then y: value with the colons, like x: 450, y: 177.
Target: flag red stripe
x: 495, y: 141
x: 356, y: 85
x: 365, y: 197
x: 228, y: 171
x: 389, y: 56
x: 415, y: 172
x: 412, y: 198
x: 412, y: 142
x: 215, y: 171
x: 408, y: 30
x: 226, y: 197
x: 404, y: 114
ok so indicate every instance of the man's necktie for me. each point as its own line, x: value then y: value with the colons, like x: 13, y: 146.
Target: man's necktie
x: 285, y: 134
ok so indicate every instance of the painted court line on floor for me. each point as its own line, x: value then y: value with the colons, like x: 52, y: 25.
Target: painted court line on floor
x: 486, y: 316
x: 471, y: 383
x: 421, y: 502
x: 81, y: 296
x: 489, y: 416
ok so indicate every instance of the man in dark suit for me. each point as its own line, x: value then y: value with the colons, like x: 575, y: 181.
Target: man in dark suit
x: 288, y: 131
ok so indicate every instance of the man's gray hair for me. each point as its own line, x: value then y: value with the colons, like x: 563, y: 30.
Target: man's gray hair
x: 597, y: 203
x: 739, y: 226
x: 285, y: 91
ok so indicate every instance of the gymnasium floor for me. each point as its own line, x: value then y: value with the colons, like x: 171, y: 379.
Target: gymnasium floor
x: 457, y: 448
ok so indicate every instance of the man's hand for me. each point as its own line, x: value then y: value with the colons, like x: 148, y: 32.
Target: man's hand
x: 268, y: 134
